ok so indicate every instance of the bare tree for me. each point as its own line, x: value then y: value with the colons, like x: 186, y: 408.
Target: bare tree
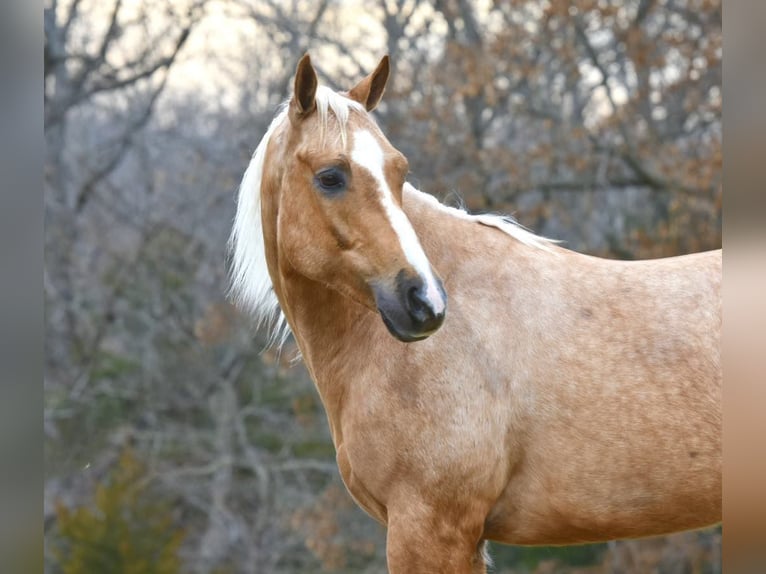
x: 540, y: 101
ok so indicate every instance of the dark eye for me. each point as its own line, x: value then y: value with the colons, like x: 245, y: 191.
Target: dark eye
x: 331, y: 180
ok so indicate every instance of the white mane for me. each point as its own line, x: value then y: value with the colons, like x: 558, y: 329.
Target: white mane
x: 505, y: 223
x: 251, y: 286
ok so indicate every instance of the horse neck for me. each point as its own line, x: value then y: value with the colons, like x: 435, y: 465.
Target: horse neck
x: 324, y: 323
x: 326, y: 326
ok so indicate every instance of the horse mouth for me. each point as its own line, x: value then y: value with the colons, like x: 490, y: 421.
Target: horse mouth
x: 403, y: 335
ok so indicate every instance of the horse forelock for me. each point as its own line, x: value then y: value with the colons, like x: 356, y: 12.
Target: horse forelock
x: 251, y: 286
x: 326, y: 100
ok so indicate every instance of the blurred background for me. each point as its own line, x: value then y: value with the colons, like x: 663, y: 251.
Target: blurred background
x: 173, y: 441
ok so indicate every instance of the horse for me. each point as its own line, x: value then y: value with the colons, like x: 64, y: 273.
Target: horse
x: 480, y: 382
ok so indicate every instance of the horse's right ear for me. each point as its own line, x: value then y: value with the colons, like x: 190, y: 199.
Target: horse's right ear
x: 305, y: 89
x: 369, y: 91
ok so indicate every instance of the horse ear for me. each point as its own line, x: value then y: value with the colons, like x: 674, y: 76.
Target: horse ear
x: 369, y: 91
x: 305, y: 89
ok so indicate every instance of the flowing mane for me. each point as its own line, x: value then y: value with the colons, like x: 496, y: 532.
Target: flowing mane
x: 251, y: 286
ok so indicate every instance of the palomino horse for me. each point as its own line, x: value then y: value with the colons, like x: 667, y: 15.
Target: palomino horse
x: 529, y: 394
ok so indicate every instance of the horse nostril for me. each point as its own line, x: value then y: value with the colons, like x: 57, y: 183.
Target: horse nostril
x: 418, y: 305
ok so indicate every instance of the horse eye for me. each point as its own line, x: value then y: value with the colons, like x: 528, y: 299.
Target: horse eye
x: 331, y: 180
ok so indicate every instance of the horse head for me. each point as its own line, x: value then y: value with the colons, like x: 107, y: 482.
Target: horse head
x: 334, y: 184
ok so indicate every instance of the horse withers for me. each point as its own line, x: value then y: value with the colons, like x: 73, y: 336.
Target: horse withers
x: 480, y: 382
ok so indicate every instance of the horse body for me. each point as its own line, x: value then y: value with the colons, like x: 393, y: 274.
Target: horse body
x: 564, y: 399
x: 555, y: 377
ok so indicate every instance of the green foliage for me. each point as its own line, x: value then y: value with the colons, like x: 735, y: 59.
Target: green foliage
x: 112, y: 366
x: 128, y: 532
x: 314, y: 449
x: 271, y: 442
x: 529, y: 557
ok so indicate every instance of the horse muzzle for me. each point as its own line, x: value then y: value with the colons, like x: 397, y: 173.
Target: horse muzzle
x: 414, y: 309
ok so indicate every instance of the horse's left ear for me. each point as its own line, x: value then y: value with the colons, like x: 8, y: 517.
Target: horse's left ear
x: 369, y: 91
x: 304, y: 92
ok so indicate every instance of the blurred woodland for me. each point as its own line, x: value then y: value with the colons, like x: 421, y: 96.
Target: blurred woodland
x: 174, y: 442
